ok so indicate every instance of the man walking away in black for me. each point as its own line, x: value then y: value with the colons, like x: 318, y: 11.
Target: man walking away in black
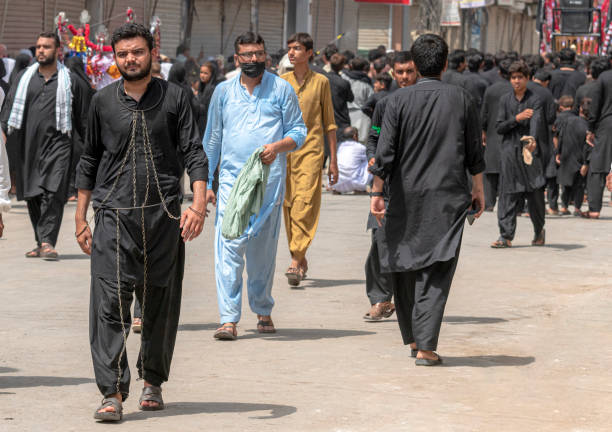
x: 429, y: 140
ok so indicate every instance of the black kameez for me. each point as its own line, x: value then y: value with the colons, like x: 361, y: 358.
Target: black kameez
x: 42, y: 154
x: 175, y: 144
x: 519, y: 180
x: 430, y: 137
x: 573, y: 151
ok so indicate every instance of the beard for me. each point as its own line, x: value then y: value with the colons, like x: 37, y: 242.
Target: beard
x: 137, y: 76
x: 46, y: 61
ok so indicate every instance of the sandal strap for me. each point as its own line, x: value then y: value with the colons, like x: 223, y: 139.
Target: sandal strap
x: 265, y: 323
x: 111, y: 401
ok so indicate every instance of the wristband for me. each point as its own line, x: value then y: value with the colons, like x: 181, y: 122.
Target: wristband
x: 376, y: 194
x: 196, y: 212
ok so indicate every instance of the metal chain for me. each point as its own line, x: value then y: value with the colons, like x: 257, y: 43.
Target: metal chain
x: 119, y: 372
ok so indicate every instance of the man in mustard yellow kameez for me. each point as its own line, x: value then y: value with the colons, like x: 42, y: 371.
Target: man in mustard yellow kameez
x: 305, y: 166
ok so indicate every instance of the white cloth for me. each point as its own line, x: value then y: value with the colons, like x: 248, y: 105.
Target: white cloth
x: 165, y: 69
x: 352, y: 168
x: 5, y: 179
x: 9, y: 64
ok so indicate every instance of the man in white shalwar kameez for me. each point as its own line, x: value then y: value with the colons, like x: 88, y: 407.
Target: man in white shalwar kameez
x: 5, y: 179
x: 352, y: 163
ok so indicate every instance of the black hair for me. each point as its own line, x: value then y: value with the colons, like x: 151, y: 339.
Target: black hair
x: 585, y: 105
x: 542, y: 75
x: 350, y: 55
x: 180, y: 49
x: 489, y: 62
x: 337, y: 62
x: 50, y: 35
x: 500, y: 57
x: 513, y: 55
x: 402, y: 57
x: 429, y: 53
x: 474, y: 62
x: 385, y: 79
x: 330, y: 50
x: 132, y: 30
x: 374, y: 54
x: 520, y: 67
x: 504, y: 68
x: 379, y: 64
x: 456, y: 58
x: 248, y: 38
x: 303, y: 39
x: 359, y: 64
x: 567, y: 56
x: 599, y: 65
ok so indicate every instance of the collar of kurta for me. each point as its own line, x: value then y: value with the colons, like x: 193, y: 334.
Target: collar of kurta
x: 151, y: 98
x: 309, y: 73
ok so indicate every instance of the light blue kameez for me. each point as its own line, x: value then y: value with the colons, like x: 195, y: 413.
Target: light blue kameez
x: 239, y: 123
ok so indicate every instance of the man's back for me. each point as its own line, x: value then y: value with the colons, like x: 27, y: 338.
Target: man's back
x: 566, y: 82
x: 341, y: 95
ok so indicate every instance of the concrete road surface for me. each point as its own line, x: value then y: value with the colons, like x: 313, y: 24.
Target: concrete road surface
x: 527, y: 340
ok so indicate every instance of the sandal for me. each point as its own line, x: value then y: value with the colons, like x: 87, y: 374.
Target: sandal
x: 227, y: 331
x: 502, y: 243
x: 34, y: 253
x: 294, y: 276
x: 540, y: 240
x: 262, y: 324
x: 48, y: 253
x: 379, y: 311
x: 109, y: 415
x: 428, y: 362
x: 137, y: 325
x: 151, y: 394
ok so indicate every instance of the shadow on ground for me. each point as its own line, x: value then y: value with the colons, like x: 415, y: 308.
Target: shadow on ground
x: 289, y: 334
x: 10, y: 382
x: 486, y: 361
x: 560, y: 247
x: 472, y: 320
x: 198, y: 327
x: 7, y: 369
x: 82, y: 256
x: 190, y: 408
x: 326, y: 283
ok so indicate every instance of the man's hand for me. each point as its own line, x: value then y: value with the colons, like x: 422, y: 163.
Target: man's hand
x: 268, y: 155
x: 84, y: 237
x: 584, y: 170
x: 332, y: 172
x: 478, y: 194
x: 558, y: 159
x: 524, y: 115
x: 1, y: 226
x: 210, y: 198
x: 484, y: 139
x: 609, y: 182
x: 192, y: 219
x: 371, y: 162
x: 590, y: 139
x: 377, y: 208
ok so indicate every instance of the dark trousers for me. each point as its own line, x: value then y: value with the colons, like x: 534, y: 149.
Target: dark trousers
x: 46, y: 211
x: 596, y: 182
x: 420, y: 299
x: 491, y: 189
x: 162, y: 306
x: 552, y: 193
x: 509, y: 206
x: 574, y: 193
x: 137, y: 309
x: 379, y: 286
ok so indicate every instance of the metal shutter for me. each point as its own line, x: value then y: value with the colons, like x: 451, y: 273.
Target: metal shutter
x: 20, y: 23
x: 323, y: 22
x: 72, y: 9
x: 237, y: 21
x: 373, y: 27
x: 118, y: 16
x: 271, y: 23
x: 206, y: 28
x: 169, y: 12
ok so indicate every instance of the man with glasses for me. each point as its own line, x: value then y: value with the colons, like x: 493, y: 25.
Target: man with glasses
x: 253, y: 109
x: 305, y: 167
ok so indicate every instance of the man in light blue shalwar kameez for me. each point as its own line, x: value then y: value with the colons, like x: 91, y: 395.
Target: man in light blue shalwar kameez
x: 253, y: 109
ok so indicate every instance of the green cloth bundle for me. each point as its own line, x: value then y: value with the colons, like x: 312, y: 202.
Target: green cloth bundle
x: 246, y: 197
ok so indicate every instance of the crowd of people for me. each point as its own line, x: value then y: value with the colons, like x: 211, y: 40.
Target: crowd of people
x: 436, y: 138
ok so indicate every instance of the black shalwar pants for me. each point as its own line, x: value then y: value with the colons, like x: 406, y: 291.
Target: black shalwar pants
x: 46, y: 212
x: 420, y: 299
x: 552, y: 193
x: 510, y: 205
x: 574, y: 193
x: 491, y: 189
x: 379, y: 286
x: 596, y: 183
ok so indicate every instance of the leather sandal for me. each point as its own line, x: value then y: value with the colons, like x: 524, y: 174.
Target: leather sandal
x: 501, y: 243
x: 227, y: 331
x: 379, y: 311
x: 48, y: 253
x: 294, y: 276
x: 109, y: 415
x: 34, y: 253
x: 151, y: 394
x: 263, y: 326
x: 428, y: 362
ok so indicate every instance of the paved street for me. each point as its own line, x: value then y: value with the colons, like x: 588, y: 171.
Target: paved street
x: 526, y: 340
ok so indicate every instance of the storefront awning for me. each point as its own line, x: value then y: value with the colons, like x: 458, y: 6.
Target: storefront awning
x: 391, y: 2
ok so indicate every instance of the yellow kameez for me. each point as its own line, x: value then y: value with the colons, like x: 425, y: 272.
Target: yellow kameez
x: 305, y: 166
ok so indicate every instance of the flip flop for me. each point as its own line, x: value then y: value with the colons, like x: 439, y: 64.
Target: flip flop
x: 109, y: 415
x: 501, y: 244
x: 428, y: 362
x: 226, y: 332
x: 151, y: 394
x: 261, y: 326
x: 294, y: 276
x: 49, y: 254
x: 34, y: 253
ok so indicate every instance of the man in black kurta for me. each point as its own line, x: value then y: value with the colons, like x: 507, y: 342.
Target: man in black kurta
x: 141, y: 136
x: 566, y: 80
x: 520, y: 114
x: 600, y: 137
x: 379, y: 286
x: 43, y: 153
x: 492, y: 140
x: 430, y: 137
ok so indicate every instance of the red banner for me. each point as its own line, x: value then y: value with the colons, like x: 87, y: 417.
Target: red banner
x: 391, y: 2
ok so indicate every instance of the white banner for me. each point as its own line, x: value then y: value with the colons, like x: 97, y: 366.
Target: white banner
x: 450, y: 14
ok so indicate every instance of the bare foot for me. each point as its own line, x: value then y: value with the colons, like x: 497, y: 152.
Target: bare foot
x: 112, y: 408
